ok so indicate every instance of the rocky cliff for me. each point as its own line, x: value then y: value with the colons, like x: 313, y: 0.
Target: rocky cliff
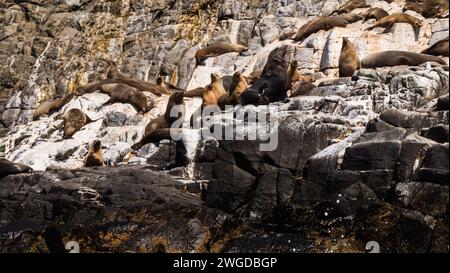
x: 358, y: 160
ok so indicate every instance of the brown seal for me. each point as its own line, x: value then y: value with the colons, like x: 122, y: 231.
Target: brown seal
x: 374, y: 13
x: 95, y: 155
x: 348, y: 59
x: 233, y: 97
x: 428, y: 8
x: 197, y: 92
x: 389, y: 21
x: 217, y: 49
x: 302, y: 88
x: 123, y: 93
x: 74, y: 120
x: 351, y: 5
x: 393, y: 58
x: 325, y: 23
x: 160, y: 81
x: 163, y: 121
x: 439, y: 48
x: 217, y: 85
x: 7, y: 167
x: 293, y: 75
x: 49, y: 107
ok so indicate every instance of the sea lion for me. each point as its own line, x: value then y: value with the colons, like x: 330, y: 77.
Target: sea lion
x: 123, y: 93
x: 293, y: 75
x: 217, y: 49
x: 95, y: 156
x: 74, y: 120
x: 217, y: 85
x: 160, y: 81
x: 393, y: 58
x: 197, y: 92
x: 374, y: 13
x: 351, y: 5
x: 272, y: 84
x: 440, y: 48
x: 163, y: 121
x: 302, y: 88
x: 233, y: 97
x: 428, y: 8
x: 325, y: 23
x: 389, y: 21
x: 348, y: 60
x: 49, y: 107
x: 7, y: 168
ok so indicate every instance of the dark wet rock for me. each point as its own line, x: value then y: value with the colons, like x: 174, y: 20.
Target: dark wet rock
x: 437, y: 133
x: 104, y: 209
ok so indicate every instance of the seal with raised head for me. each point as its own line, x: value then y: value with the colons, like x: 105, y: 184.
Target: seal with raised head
x: 94, y: 157
x: 394, y: 58
x: 325, y: 23
x: 440, y: 48
x: 7, y: 168
x: 217, y: 85
x: 351, y: 5
x: 293, y: 75
x: 389, y: 21
x: 348, y: 59
x: 233, y: 97
x: 374, y: 13
x: 217, y: 49
x: 160, y: 81
x: 49, y: 107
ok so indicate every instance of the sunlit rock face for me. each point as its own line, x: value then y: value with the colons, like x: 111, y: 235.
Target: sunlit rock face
x: 356, y: 158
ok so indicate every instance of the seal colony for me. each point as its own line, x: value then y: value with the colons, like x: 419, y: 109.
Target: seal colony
x: 273, y: 83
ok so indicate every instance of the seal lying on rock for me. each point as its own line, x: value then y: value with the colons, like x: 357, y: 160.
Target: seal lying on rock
x: 348, y: 60
x: 351, y: 5
x: 325, y: 23
x: 74, y: 120
x: 95, y: 156
x: 166, y: 85
x: 217, y: 49
x: 49, y: 107
x: 374, y: 13
x: 123, y: 93
x: 439, y: 48
x: 393, y: 58
x: 7, y: 167
x: 428, y: 8
x: 389, y: 21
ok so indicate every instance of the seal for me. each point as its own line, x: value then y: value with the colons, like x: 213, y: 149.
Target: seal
x: 197, y: 92
x: 348, y: 59
x: 440, y: 48
x: 293, y: 75
x: 217, y: 85
x: 393, y: 58
x: 351, y: 5
x: 374, y: 13
x: 160, y: 81
x: 7, y: 168
x: 123, y: 93
x: 389, y: 21
x: 273, y: 81
x: 233, y: 97
x: 428, y: 8
x: 94, y: 157
x: 49, y: 107
x: 325, y: 23
x: 302, y: 88
x: 74, y: 120
x: 217, y: 49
